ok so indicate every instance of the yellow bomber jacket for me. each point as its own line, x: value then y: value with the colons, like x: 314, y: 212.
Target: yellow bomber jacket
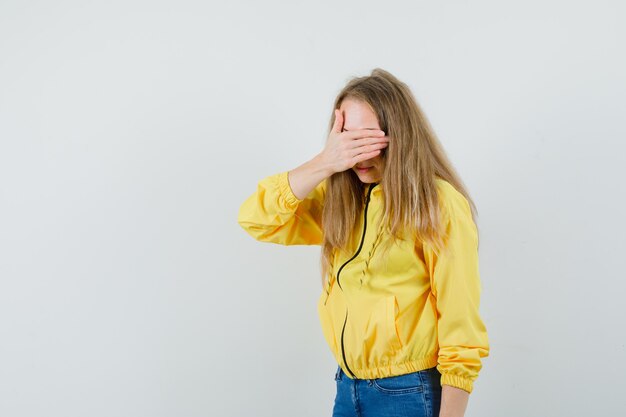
x: 388, y: 315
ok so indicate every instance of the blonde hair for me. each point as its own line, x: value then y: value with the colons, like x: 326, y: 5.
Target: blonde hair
x: 412, y: 161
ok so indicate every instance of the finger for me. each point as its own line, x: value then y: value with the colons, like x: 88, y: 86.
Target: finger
x: 362, y: 133
x: 365, y: 156
x: 368, y: 141
x: 338, y: 125
x: 366, y: 145
x: 368, y: 149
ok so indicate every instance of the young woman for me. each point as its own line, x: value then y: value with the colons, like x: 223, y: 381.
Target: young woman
x: 399, y: 254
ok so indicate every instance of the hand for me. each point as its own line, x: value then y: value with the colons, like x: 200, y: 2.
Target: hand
x: 345, y: 149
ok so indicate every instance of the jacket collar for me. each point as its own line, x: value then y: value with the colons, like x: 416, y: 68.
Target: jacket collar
x: 376, y: 188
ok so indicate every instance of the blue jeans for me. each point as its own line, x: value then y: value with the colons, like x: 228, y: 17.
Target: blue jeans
x: 416, y: 394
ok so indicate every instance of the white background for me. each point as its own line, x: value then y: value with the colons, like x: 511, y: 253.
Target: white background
x: 131, y: 131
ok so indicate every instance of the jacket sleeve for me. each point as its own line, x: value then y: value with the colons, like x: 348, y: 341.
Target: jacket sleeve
x: 274, y: 214
x: 455, y: 284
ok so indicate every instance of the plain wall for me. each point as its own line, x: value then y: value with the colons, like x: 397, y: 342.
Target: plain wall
x: 131, y: 131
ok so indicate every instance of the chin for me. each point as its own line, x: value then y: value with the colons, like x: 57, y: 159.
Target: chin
x: 367, y: 179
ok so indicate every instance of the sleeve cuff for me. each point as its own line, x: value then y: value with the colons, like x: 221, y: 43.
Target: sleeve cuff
x: 457, y: 381
x: 291, y: 201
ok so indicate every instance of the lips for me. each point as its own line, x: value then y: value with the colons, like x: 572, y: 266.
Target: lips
x: 363, y: 169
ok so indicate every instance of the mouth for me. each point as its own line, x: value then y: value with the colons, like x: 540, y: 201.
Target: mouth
x: 363, y: 170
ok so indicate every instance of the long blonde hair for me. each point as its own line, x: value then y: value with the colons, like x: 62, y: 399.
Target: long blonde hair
x: 412, y: 161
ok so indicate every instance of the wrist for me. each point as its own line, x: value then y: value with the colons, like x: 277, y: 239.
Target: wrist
x: 321, y: 165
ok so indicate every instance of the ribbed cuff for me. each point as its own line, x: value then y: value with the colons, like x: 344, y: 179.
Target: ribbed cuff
x: 291, y: 201
x: 457, y: 381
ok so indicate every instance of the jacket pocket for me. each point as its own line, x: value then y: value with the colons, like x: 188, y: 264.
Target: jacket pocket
x: 381, y: 336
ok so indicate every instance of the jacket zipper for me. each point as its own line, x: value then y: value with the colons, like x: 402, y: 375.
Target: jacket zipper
x: 343, y: 352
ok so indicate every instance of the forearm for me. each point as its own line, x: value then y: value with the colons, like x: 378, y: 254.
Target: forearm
x: 307, y: 176
x: 453, y: 401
